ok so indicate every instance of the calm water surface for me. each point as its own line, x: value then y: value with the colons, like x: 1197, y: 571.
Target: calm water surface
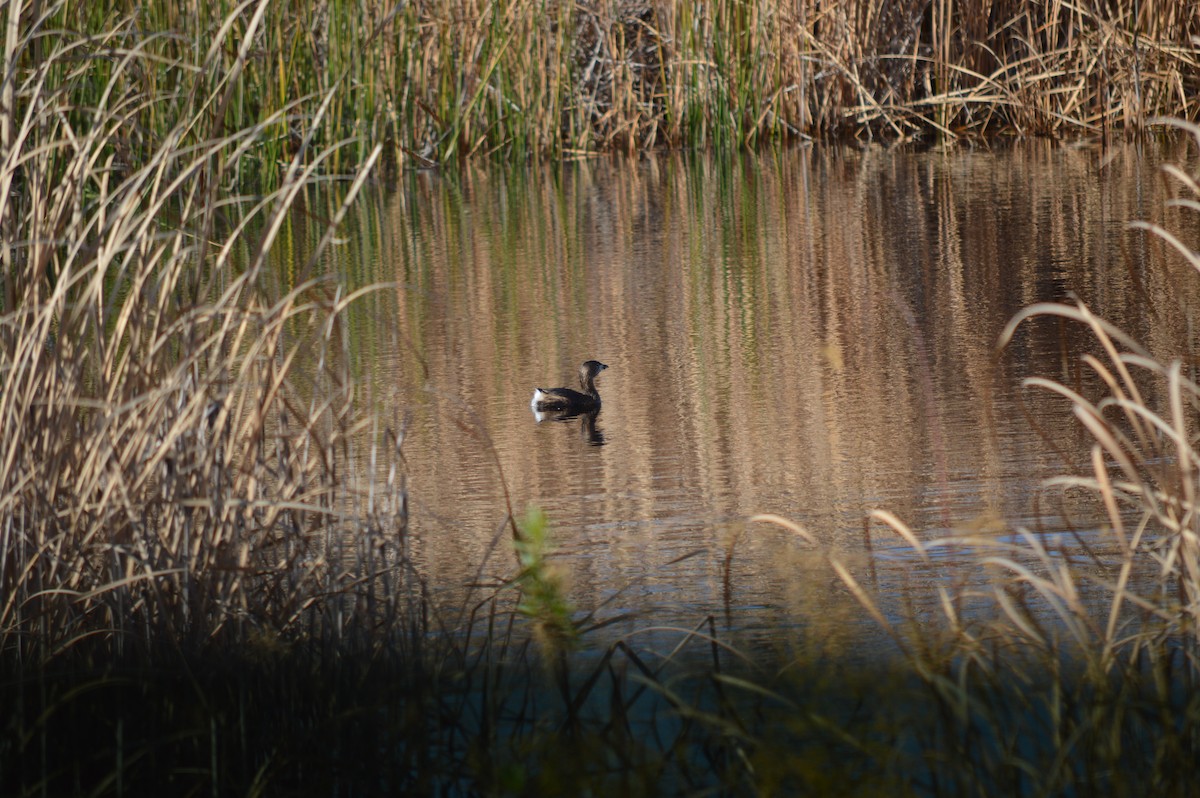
x: 809, y: 333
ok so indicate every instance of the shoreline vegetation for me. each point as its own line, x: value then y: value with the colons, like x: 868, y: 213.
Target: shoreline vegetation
x: 433, y: 83
x: 201, y: 588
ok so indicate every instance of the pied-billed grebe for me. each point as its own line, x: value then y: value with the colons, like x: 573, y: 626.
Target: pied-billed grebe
x: 567, y: 399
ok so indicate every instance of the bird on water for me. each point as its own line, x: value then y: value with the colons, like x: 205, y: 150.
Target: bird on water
x: 569, y: 399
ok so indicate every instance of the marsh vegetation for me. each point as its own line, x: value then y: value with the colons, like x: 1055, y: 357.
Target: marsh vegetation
x: 434, y: 82
x: 207, y: 576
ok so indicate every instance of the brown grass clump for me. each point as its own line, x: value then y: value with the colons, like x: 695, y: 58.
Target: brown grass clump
x: 434, y: 82
x: 164, y: 475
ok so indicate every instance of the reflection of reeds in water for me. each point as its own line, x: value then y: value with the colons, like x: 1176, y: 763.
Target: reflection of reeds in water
x: 1082, y: 675
x: 856, y: 296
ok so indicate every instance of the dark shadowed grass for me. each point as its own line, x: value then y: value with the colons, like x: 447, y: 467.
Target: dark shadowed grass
x: 204, y: 562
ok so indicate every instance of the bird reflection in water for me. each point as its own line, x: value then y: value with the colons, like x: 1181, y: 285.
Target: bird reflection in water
x: 588, y: 429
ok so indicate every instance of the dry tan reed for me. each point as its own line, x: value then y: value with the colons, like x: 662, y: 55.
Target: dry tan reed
x: 164, y: 478
x: 434, y: 81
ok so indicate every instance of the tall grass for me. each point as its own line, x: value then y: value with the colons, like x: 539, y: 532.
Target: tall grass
x: 164, y: 477
x: 434, y: 82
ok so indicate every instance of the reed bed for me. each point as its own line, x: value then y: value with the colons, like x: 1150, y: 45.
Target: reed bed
x: 164, y: 475
x: 435, y: 82
x: 169, y: 487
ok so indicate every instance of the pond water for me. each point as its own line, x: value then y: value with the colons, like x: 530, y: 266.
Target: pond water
x: 809, y: 332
